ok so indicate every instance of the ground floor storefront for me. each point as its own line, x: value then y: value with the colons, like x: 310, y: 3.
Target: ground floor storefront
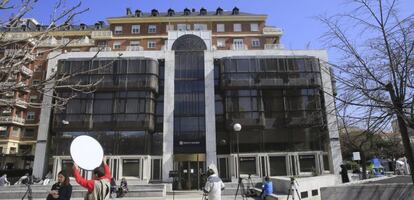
x: 190, y: 169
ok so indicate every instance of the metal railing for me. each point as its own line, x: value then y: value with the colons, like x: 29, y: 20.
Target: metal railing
x: 273, y: 46
x: 134, y: 48
x: 239, y: 47
x: 12, y: 119
x: 101, y: 34
x: 96, y: 49
x: 268, y: 30
x: 17, y: 53
x: 26, y: 71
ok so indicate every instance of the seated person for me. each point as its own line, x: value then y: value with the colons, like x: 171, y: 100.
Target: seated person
x: 267, y: 188
x: 61, y: 190
x: 123, y: 188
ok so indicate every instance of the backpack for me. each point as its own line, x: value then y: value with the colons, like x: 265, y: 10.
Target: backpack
x: 101, y: 190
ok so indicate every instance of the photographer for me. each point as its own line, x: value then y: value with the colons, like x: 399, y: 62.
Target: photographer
x: 213, y: 186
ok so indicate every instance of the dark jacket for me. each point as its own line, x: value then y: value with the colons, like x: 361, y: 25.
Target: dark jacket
x: 65, y: 192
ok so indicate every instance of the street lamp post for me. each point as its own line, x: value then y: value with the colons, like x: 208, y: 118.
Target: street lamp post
x: 237, y: 128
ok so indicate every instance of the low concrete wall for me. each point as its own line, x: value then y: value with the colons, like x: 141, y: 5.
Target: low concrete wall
x: 281, y: 185
x: 369, y: 191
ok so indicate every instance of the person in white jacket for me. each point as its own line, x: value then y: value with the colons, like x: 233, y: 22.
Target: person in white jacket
x: 213, y: 186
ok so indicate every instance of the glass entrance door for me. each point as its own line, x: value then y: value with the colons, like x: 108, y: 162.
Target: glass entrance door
x: 191, y: 175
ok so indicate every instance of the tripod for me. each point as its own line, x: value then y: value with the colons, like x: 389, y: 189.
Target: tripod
x: 28, y: 192
x: 293, y: 187
x: 241, y: 186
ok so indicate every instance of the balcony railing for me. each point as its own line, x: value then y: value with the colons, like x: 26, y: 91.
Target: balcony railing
x: 13, y: 36
x: 96, y: 49
x: 273, y: 46
x: 101, y: 34
x: 134, y: 48
x: 18, y: 53
x: 239, y: 47
x: 13, y: 120
x: 26, y: 71
x: 272, y: 31
x: 67, y: 42
x: 21, y: 103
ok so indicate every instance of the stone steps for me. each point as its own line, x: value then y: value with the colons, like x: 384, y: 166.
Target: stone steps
x: 41, y: 191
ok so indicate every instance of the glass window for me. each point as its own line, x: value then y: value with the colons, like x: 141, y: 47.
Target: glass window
x: 254, y: 27
x: 169, y: 27
x: 28, y: 132
x: 16, y: 131
x: 117, y: 45
x: 200, y: 27
x: 131, y: 167
x: 220, y: 28
x: 152, y: 28
x: 118, y: 30
x: 30, y: 116
x: 255, y: 42
x: 221, y: 42
x: 307, y: 163
x: 156, y: 169
x: 3, y: 131
x: 238, y: 44
x: 247, y: 165
x: 134, y: 43
x: 183, y: 27
x: 277, y: 165
x: 237, y: 27
x: 135, y: 29
x: 152, y: 44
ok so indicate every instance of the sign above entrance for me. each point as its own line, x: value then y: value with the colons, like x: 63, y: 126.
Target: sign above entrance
x: 181, y: 143
x: 173, y: 174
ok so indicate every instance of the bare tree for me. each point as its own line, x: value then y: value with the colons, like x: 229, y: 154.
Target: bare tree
x: 375, y: 76
x: 21, y: 41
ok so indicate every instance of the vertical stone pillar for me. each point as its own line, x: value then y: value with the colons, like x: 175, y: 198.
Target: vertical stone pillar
x: 211, y: 153
x: 168, y: 127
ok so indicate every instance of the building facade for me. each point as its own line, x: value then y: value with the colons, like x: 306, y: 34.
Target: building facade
x: 171, y: 87
x: 18, y: 120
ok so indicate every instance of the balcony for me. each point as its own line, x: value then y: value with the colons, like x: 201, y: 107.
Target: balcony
x: 52, y: 42
x: 13, y: 36
x: 134, y: 48
x: 12, y: 120
x: 21, y: 103
x: 100, y: 49
x: 268, y: 30
x: 239, y: 47
x: 273, y: 46
x: 22, y: 87
x: 101, y: 34
x: 26, y: 71
x: 19, y: 53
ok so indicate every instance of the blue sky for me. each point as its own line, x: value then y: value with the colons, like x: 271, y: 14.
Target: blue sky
x: 297, y: 18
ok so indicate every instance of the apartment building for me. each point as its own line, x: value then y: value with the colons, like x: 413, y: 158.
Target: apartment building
x: 172, y: 86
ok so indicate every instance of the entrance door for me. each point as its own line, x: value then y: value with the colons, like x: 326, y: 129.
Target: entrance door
x: 191, y: 175
x: 191, y: 171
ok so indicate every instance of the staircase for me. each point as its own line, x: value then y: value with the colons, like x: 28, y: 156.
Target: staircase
x: 78, y: 192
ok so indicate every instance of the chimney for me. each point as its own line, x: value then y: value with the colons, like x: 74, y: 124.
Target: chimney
x: 128, y: 12
x: 137, y: 13
x: 154, y: 12
x: 203, y: 11
x: 171, y: 12
x: 219, y: 11
x: 235, y: 11
x: 187, y: 11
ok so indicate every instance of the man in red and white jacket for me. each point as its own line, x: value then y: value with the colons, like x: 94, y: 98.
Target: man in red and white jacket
x: 101, y: 174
